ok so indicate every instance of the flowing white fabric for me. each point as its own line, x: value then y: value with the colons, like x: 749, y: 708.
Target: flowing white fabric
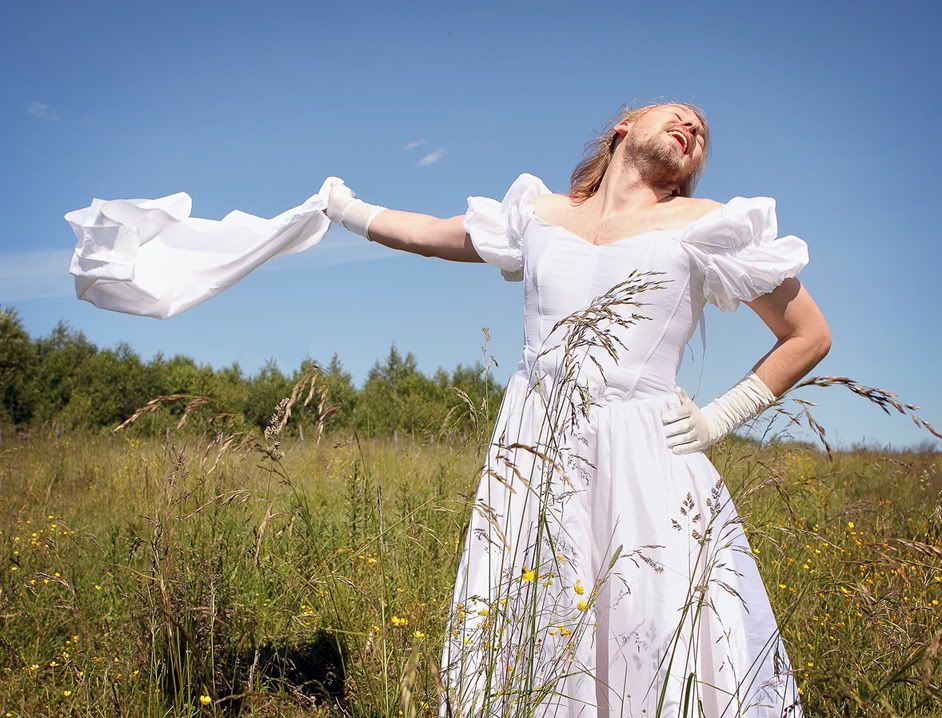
x: 150, y: 257
x: 602, y: 574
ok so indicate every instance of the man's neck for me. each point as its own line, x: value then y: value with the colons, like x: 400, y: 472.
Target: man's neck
x: 623, y: 191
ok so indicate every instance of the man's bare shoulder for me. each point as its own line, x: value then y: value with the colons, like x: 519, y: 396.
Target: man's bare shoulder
x: 703, y: 203
x: 696, y: 207
x: 707, y: 202
x: 555, y: 205
x: 691, y: 208
x: 552, y: 200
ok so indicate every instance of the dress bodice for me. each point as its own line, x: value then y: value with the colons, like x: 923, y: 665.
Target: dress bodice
x: 730, y: 254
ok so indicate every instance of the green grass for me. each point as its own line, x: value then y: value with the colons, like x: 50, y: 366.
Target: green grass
x: 138, y: 576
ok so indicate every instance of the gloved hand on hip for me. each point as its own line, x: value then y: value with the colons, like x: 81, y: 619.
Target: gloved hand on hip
x: 690, y: 428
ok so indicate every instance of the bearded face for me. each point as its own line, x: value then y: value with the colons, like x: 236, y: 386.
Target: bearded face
x: 664, y: 145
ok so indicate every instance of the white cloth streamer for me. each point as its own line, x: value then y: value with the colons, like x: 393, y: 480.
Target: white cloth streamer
x: 151, y: 258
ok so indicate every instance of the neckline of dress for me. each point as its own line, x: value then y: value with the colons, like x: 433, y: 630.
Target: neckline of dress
x: 583, y: 240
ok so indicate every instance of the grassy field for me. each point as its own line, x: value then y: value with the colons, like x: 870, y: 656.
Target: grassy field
x: 242, y: 575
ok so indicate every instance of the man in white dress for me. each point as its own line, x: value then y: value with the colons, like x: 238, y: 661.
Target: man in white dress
x: 640, y: 176
x: 636, y: 181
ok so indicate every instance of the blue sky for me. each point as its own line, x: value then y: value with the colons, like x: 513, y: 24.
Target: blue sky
x: 831, y: 108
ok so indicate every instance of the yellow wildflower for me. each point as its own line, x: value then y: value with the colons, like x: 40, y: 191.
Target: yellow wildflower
x: 563, y: 631
x: 205, y: 700
x: 528, y: 574
x: 582, y: 605
x: 419, y: 635
x: 579, y: 588
x: 483, y: 612
x: 66, y: 692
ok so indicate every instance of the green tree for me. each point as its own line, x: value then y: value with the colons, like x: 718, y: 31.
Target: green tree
x: 264, y: 392
x: 18, y: 364
x: 341, y: 394
x: 398, y: 397
x: 59, y: 355
x: 107, y: 387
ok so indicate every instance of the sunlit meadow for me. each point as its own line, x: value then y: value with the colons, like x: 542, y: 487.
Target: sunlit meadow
x: 245, y: 572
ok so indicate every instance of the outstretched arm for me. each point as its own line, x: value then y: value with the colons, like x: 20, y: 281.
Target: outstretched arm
x: 413, y: 232
x: 424, y: 234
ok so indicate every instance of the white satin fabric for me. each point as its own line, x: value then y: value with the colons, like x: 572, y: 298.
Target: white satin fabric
x: 150, y: 257
x: 614, y: 483
x: 625, y: 510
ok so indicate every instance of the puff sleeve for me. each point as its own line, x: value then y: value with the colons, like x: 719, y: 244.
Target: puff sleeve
x: 740, y: 253
x: 496, y: 228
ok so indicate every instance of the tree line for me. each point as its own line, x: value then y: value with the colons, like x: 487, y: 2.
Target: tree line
x: 64, y: 382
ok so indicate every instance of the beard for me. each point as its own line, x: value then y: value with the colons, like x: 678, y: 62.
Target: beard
x: 657, y: 162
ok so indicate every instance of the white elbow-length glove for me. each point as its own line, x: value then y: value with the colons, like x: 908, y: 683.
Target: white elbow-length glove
x: 690, y: 428
x: 351, y: 213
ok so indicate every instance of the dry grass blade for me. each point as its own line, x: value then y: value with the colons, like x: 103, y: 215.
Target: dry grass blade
x: 260, y: 534
x: 191, y: 406
x: 309, y: 377
x: 407, y: 687
x: 153, y: 405
x: 881, y: 397
x: 819, y: 430
x: 536, y: 452
x: 920, y: 547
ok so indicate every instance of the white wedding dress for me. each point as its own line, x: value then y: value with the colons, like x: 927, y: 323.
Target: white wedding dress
x: 603, y: 574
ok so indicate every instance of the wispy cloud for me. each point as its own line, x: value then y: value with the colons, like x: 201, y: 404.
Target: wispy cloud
x: 412, y: 145
x: 35, y: 275
x: 43, y: 274
x: 432, y: 157
x: 341, y: 248
x: 42, y: 111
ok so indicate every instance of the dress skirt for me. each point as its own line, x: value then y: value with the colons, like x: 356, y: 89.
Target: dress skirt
x: 605, y: 575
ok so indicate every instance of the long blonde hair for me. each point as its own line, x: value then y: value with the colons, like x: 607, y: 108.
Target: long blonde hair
x: 587, y: 176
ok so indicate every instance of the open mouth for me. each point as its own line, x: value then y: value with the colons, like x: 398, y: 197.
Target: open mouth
x: 680, y: 137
